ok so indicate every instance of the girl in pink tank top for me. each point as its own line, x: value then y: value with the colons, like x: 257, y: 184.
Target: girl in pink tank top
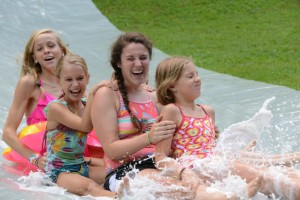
x: 42, y: 52
x: 38, y: 114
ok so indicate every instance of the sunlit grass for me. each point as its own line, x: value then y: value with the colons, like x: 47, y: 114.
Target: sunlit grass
x: 257, y: 39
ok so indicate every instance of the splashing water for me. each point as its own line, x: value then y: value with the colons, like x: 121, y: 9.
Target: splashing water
x: 232, y: 140
x: 238, y: 136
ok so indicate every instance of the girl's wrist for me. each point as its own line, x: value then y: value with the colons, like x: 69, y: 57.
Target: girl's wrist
x: 181, y: 172
x: 148, y: 137
x: 34, y: 159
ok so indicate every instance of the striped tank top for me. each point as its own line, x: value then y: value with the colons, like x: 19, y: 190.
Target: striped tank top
x: 146, y: 113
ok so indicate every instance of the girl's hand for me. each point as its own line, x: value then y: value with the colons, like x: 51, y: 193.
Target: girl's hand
x: 148, y: 88
x: 105, y: 83
x: 41, y: 162
x: 189, y: 179
x: 161, y: 130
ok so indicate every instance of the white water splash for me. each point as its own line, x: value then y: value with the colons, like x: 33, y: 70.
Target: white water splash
x: 239, y: 135
x: 232, y: 140
x: 36, y: 181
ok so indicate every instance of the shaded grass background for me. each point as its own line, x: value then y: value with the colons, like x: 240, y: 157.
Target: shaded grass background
x: 257, y: 40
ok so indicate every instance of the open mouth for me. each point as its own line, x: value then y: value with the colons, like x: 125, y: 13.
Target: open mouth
x: 49, y: 58
x: 138, y: 72
x: 75, y: 92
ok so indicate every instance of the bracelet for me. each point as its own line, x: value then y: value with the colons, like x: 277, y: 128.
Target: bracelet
x: 33, y: 159
x: 180, y: 173
x: 148, y: 137
x: 37, y: 160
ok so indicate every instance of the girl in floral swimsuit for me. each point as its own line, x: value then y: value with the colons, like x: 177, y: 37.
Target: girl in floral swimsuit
x: 68, y: 124
x: 178, y: 86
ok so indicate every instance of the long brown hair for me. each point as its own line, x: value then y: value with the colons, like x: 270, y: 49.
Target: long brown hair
x: 115, y: 59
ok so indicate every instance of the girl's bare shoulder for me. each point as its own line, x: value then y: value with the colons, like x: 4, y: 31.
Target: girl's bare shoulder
x: 170, y: 109
x: 27, y: 86
x: 209, y: 109
x: 27, y: 81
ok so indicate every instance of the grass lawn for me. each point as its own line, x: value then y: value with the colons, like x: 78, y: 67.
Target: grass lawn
x: 257, y: 40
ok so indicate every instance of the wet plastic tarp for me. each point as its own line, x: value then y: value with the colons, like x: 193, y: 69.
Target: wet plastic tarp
x: 89, y: 34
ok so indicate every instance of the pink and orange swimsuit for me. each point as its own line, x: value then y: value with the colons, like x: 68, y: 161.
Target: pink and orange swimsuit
x: 146, y: 113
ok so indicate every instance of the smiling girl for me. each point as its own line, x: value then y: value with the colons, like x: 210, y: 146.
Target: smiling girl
x: 69, y: 122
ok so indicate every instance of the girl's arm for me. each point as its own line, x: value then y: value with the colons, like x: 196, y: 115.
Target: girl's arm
x: 59, y: 113
x: 211, y: 112
x: 23, y: 95
x: 163, y: 148
x: 105, y: 120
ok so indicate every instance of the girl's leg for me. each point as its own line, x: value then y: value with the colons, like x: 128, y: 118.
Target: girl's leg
x: 97, y: 174
x: 97, y: 162
x: 206, y: 193
x: 97, y: 170
x: 203, y: 192
x: 177, y: 192
x: 124, y: 186
x: 250, y: 191
x: 80, y: 185
x: 283, y: 184
x: 254, y: 186
x: 279, y: 159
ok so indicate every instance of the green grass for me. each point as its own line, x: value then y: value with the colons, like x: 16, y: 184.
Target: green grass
x: 257, y: 39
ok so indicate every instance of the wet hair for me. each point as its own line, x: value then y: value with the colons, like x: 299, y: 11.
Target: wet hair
x: 115, y: 59
x: 70, y: 58
x: 29, y: 66
x: 167, y: 73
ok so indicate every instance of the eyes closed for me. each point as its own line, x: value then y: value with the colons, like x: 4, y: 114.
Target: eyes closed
x: 50, y: 45
x: 79, y: 78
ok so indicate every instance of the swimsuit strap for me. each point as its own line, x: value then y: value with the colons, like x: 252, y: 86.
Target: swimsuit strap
x: 59, y: 125
x: 122, y: 101
x: 196, y: 105
x: 180, y: 109
x: 202, y: 108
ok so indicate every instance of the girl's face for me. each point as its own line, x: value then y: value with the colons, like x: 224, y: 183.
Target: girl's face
x: 73, y: 81
x: 135, y: 61
x: 46, y: 51
x: 188, y: 86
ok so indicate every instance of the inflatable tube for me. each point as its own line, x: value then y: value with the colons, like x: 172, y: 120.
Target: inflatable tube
x: 32, y: 136
x: 93, y: 146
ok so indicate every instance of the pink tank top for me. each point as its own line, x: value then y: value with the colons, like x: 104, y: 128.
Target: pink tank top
x: 146, y: 113
x: 38, y: 114
x: 194, y: 136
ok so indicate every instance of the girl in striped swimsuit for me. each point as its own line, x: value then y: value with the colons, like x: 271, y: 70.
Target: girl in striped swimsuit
x: 125, y: 120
